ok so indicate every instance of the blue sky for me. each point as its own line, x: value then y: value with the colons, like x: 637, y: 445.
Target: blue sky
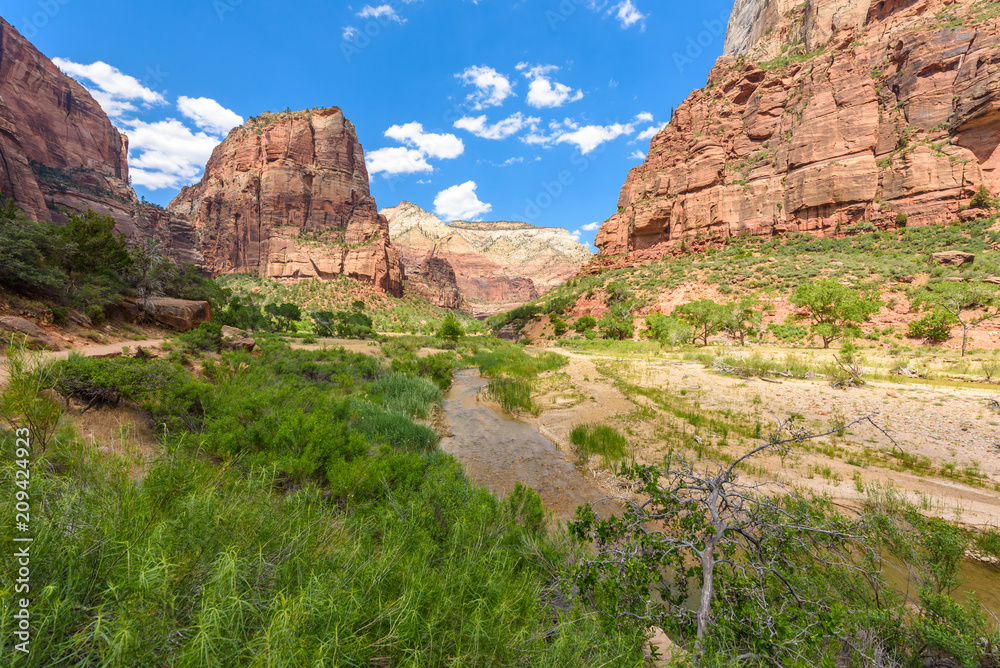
x: 528, y: 110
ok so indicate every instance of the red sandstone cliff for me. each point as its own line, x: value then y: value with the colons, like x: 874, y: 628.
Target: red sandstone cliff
x: 286, y: 196
x: 59, y: 150
x: 823, y: 115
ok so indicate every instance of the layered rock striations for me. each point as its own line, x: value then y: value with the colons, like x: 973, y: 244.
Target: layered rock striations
x: 823, y: 115
x: 59, y: 151
x: 481, y: 268
x: 286, y: 196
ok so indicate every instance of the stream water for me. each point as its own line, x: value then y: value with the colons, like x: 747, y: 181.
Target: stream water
x: 498, y: 451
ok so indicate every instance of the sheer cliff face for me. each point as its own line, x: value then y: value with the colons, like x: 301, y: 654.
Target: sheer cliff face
x: 481, y: 268
x: 824, y: 115
x: 286, y: 196
x: 58, y: 150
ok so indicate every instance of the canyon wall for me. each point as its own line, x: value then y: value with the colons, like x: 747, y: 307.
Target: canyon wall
x: 59, y: 151
x: 821, y: 116
x: 481, y: 268
x: 286, y: 196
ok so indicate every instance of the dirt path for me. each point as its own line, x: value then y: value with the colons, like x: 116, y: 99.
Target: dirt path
x: 94, y: 350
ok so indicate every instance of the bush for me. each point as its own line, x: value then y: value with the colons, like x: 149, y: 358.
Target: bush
x: 585, y: 323
x: 112, y: 381
x: 559, y: 325
x: 207, y: 337
x: 451, y: 329
x: 901, y: 219
x: 983, y: 199
x: 935, y: 326
x: 615, y: 327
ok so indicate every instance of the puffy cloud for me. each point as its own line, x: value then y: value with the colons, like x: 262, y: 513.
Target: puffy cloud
x: 116, y: 92
x: 380, y: 12
x: 591, y: 227
x: 500, y: 130
x: 492, y: 88
x: 166, y: 154
x: 543, y: 92
x: 398, y: 160
x: 442, y: 146
x: 460, y: 203
x: 644, y: 117
x: 628, y: 14
x: 649, y: 132
x: 585, y: 137
x: 637, y: 155
x: 349, y: 33
x: 208, y: 114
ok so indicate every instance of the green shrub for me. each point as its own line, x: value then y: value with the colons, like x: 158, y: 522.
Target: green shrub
x: 983, y: 199
x: 380, y: 425
x: 934, y: 326
x: 668, y: 330
x: 585, y: 323
x: 207, y: 337
x: 403, y: 394
x: 451, y: 329
x: 514, y: 361
x: 112, y: 381
x: 616, y: 327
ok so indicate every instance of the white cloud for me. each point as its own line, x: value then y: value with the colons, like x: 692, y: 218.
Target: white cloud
x: 499, y: 130
x: 349, y: 33
x: 209, y: 115
x: 644, y: 117
x: 628, y: 14
x: 166, y: 154
x: 591, y: 227
x: 116, y: 92
x: 492, y: 88
x: 649, y: 132
x: 637, y: 155
x: 397, y: 160
x: 585, y: 137
x: 543, y: 92
x: 511, y: 161
x: 441, y: 146
x: 460, y: 203
x: 379, y: 12
x: 625, y: 11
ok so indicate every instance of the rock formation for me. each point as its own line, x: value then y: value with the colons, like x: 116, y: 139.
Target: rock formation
x: 481, y: 268
x: 59, y: 150
x: 822, y: 115
x: 286, y: 196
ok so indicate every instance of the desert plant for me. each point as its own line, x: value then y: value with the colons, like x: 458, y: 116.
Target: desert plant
x: 968, y: 303
x: 835, y: 310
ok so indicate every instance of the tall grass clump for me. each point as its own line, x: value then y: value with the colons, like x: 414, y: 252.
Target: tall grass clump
x: 514, y: 362
x: 404, y: 394
x: 513, y: 394
x: 599, y: 439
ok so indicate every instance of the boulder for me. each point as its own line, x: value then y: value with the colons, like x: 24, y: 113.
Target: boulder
x: 245, y: 343
x: 181, y: 314
x: 37, y: 339
x: 956, y: 258
x: 232, y: 333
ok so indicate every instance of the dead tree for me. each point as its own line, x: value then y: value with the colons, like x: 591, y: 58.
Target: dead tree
x: 691, y: 521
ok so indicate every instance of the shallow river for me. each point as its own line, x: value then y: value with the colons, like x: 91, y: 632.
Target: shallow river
x: 497, y: 451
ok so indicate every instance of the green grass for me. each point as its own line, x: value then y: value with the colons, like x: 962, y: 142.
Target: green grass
x: 513, y: 361
x: 294, y: 514
x: 513, y: 394
x: 601, y: 440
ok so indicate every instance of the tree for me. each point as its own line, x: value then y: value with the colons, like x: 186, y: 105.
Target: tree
x: 92, y: 245
x: 559, y: 325
x: 754, y: 545
x: 148, y: 272
x: 970, y: 304
x: 743, y: 317
x: 451, y: 329
x: 668, y: 330
x: 835, y: 310
x: 704, y: 315
x: 617, y: 326
x: 285, y: 314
